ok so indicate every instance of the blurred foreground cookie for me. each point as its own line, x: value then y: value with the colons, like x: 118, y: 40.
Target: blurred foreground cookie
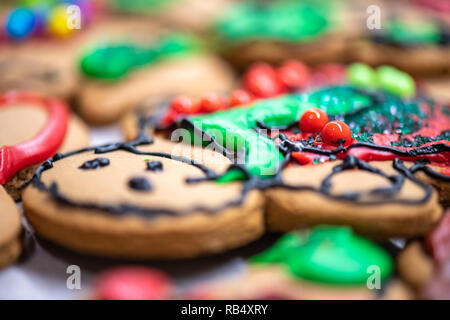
x: 425, y: 265
x: 323, y: 263
x: 122, y: 76
x: 132, y: 200
x: 10, y: 228
x: 273, y: 31
x: 32, y: 129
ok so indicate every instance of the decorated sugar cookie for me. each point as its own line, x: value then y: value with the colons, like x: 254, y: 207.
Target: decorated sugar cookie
x: 32, y: 129
x: 321, y: 263
x: 10, y: 229
x: 142, y: 200
x: 308, y: 148
x: 119, y: 77
x: 273, y: 31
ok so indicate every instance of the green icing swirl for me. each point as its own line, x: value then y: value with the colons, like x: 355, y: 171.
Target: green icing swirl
x: 117, y: 60
x: 296, y: 21
x: 332, y: 255
x: 412, y: 32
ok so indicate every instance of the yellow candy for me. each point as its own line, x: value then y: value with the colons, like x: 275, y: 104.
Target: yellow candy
x: 58, y: 22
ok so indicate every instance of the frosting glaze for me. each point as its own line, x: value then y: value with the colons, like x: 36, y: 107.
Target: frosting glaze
x: 44, y: 145
x: 289, y: 21
x: 332, y: 255
x: 114, y: 61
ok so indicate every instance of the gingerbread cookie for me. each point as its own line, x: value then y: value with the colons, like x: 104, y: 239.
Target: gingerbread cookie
x: 307, y: 149
x: 141, y: 200
x: 32, y: 129
x: 121, y: 76
x: 273, y: 31
x: 425, y: 264
x: 38, y: 50
x: 323, y: 263
x: 10, y: 229
x: 409, y: 39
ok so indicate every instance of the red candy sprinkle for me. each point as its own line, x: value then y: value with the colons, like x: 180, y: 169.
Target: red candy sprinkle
x: 334, y: 131
x: 133, y: 283
x: 211, y: 102
x: 294, y: 74
x: 184, y: 105
x: 313, y: 120
x: 262, y: 81
x: 240, y: 97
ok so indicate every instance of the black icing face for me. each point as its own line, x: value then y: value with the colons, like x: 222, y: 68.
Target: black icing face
x: 132, y: 181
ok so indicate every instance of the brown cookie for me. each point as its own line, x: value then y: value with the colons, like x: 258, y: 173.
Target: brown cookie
x: 102, y: 103
x: 380, y: 202
x: 10, y: 229
x: 23, y: 120
x: 138, y: 202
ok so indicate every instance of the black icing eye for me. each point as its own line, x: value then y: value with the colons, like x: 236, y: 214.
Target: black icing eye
x: 140, y: 184
x: 154, y: 166
x: 95, y: 164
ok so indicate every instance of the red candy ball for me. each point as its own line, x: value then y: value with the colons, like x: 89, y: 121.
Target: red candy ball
x: 183, y: 105
x: 133, y: 283
x: 262, y: 81
x: 334, y: 131
x: 240, y: 97
x: 294, y: 74
x: 211, y: 102
x: 313, y: 120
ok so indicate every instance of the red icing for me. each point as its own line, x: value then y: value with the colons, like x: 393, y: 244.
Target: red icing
x: 39, y: 148
x: 133, y: 283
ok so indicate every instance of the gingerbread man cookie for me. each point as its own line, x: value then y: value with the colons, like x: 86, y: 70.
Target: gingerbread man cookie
x: 141, y: 200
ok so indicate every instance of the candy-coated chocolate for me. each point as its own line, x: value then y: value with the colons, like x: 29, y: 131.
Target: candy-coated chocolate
x: 133, y: 283
x: 335, y: 131
x: 211, y: 102
x: 313, y: 120
x: 262, y: 81
x: 240, y: 97
x: 20, y: 23
x: 294, y: 74
x: 184, y: 105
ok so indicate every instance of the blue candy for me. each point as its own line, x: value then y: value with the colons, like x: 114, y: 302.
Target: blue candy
x: 20, y: 23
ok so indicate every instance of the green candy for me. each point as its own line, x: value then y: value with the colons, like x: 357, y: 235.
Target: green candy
x: 115, y: 61
x: 361, y: 75
x: 332, y: 255
x: 396, y: 81
x: 138, y: 6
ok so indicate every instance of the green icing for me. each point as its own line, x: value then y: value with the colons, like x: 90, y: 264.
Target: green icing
x: 412, y: 32
x: 295, y: 21
x: 332, y: 255
x: 234, y: 129
x: 117, y: 60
